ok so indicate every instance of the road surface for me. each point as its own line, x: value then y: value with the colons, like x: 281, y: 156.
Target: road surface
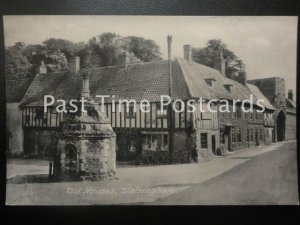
x: 269, y: 178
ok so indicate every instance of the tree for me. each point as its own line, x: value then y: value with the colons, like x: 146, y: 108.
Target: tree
x: 16, y: 64
x: 144, y: 49
x: 210, y: 53
x: 108, y: 46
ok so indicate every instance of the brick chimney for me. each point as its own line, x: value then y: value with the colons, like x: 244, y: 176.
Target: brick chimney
x: 187, y: 50
x: 124, y: 59
x: 41, y: 69
x: 291, y: 95
x: 220, y: 62
x: 85, y: 87
x: 75, y: 64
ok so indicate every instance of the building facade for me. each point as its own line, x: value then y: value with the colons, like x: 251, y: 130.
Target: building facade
x: 285, y: 114
x: 160, y: 135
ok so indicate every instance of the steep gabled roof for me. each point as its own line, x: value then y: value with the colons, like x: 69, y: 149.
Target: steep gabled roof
x: 139, y: 81
x: 16, y: 89
x: 255, y: 90
x: 196, y: 74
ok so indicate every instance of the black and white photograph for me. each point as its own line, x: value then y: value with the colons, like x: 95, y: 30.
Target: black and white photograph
x: 151, y: 110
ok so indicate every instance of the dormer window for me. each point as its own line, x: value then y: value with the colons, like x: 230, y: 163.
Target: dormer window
x: 228, y: 87
x: 209, y: 81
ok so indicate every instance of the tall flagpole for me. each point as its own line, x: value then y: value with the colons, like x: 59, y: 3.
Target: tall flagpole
x: 169, y: 39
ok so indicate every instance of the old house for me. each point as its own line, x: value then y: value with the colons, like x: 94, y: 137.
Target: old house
x: 238, y: 129
x: 160, y: 135
x: 285, y: 114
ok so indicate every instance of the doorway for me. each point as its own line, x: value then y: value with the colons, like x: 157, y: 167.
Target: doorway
x: 213, y: 144
x: 280, y: 122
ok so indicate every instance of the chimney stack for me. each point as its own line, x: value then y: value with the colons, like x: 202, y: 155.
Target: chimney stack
x: 187, y: 50
x: 291, y: 95
x: 85, y: 91
x: 124, y: 59
x: 75, y: 64
x: 220, y: 63
x: 42, y: 69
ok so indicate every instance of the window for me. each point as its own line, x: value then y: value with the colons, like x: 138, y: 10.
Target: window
x: 233, y: 137
x: 248, y: 138
x: 256, y: 115
x: 161, y: 110
x: 252, y: 134
x: 222, y: 138
x: 155, y: 142
x: 131, y: 144
x: 238, y: 134
x: 261, y: 134
x: 209, y: 81
x: 203, y: 137
x: 39, y: 114
x: 256, y: 134
x: 227, y: 87
x: 251, y: 115
x: 130, y: 112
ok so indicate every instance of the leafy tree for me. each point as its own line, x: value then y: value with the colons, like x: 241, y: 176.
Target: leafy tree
x: 210, y: 53
x: 16, y: 64
x: 144, y: 49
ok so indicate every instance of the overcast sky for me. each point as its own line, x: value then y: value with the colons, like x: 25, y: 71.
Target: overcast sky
x: 267, y: 45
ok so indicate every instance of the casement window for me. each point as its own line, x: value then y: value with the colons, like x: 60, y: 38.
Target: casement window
x: 130, y: 112
x: 251, y: 115
x: 248, y: 137
x: 238, y: 135
x: 252, y: 134
x: 261, y: 134
x: 161, y: 111
x: 155, y: 141
x: 203, y: 137
x: 233, y: 136
x: 256, y: 115
x: 131, y: 144
x: 256, y: 134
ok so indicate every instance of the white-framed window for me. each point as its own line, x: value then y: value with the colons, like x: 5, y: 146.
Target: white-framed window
x: 203, y: 139
x: 158, y: 141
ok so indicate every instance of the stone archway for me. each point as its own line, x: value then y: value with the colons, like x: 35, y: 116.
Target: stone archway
x: 280, y: 126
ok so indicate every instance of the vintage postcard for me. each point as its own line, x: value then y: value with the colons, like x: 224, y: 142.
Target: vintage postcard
x: 151, y: 110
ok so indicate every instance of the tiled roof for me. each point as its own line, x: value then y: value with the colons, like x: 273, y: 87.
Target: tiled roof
x: 255, y: 90
x: 16, y: 89
x: 196, y: 74
x: 139, y: 81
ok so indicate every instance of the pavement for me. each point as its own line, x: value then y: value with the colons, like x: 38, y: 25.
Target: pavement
x: 140, y: 185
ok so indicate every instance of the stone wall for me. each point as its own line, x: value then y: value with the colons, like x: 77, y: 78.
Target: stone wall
x: 291, y: 127
x: 206, y: 153
x: 14, y: 129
